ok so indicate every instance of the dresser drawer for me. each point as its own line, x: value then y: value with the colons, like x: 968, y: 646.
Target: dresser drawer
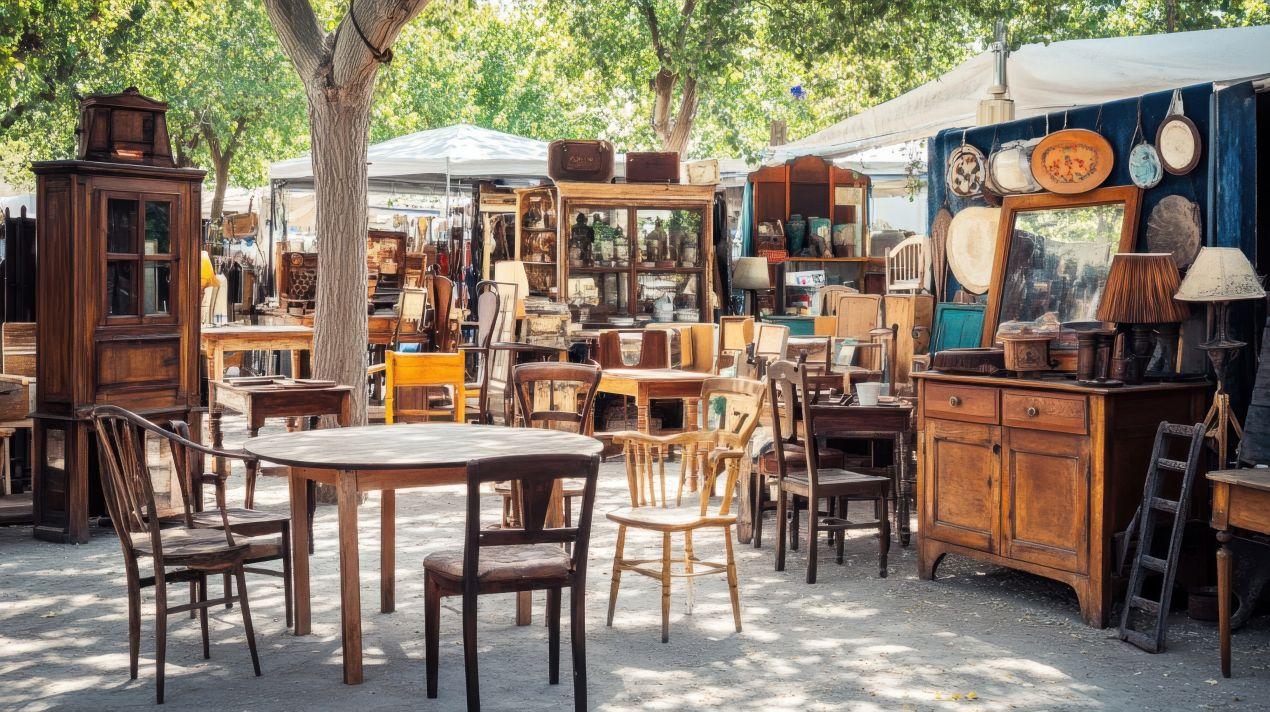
x: 1045, y: 410
x: 968, y: 404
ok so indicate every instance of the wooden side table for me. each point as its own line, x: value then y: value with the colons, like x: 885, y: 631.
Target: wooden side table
x: 1241, y: 500
x: 216, y: 341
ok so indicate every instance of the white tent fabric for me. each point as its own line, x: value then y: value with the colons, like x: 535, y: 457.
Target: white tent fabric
x: 1048, y: 78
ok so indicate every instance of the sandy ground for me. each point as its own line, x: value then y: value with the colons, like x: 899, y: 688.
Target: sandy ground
x: 978, y: 638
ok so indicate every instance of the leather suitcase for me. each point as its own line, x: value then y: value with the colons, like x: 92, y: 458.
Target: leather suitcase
x: 652, y: 167
x: 580, y: 160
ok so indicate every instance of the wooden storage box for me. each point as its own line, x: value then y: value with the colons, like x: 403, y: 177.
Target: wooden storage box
x: 652, y: 167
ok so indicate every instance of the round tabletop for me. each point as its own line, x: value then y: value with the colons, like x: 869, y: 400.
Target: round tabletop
x: 414, y: 446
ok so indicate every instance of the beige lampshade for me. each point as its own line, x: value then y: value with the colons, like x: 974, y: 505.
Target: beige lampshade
x: 1220, y: 274
x: 751, y: 273
x: 1140, y: 289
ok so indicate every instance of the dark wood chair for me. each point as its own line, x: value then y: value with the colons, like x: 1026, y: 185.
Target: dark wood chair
x: 487, y: 321
x: 788, y: 386
x: 654, y: 348
x: 183, y: 553
x: 529, y: 558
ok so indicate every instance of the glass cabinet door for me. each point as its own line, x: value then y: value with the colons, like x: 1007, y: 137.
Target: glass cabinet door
x: 668, y: 239
x: 139, y: 255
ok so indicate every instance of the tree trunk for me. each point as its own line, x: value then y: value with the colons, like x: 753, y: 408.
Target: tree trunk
x: 673, y: 131
x: 220, y: 172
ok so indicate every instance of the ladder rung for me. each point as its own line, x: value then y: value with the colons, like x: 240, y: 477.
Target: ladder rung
x: 1145, y: 604
x: 1142, y: 641
x: 1175, y: 465
x: 1150, y: 562
x: 1164, y: 505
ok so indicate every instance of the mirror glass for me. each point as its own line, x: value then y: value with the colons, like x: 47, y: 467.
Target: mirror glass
x: 1058, y: 261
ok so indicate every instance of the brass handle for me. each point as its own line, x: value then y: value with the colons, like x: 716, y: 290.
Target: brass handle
x: 954, y: 401
x: 1032, y: 412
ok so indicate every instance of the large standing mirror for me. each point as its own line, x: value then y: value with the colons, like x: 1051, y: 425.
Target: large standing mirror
x: 1054, y: 252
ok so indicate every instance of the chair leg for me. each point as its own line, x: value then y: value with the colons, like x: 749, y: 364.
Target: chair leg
x: 469, y: 654
x: 228, y: 590
x: 193, y: 598
x: 251, y: 634
x: 688, y: 568
x: 617, y: 572
x: 160, y: 633
x: 287, y: 596
x: 577, y: 641
x: 134, y: 623
x: 665, y: 586
x: 553, y: 636
x: 884, y: 534
x: 793, y: 523
x: 782, y: 504
x: 844, y: 508
x: 431, y: 631
x: 311, y: 486
x: 813, y: 531
x: 733, y: 589
x: 202, y: 615
x: 756, y: 510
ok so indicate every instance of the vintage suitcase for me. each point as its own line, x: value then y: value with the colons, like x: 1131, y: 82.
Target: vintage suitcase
x: 652, y: 167
x: 703, y: 172
x: 580, y: 160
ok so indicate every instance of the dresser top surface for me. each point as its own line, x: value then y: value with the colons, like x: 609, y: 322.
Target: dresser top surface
x: 1067, y: 384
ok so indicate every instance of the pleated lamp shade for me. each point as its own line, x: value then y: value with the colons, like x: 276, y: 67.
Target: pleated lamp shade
x: 1140, y: 289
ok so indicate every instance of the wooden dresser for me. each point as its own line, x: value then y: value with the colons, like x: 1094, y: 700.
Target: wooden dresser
x: 1037, y: 475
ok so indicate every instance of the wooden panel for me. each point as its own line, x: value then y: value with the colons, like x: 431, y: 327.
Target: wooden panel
x: 1040, y: 410
x: 140, y: 363
x: 858, y: 314
x: 1250, y: 509
x: 969, y: 404
x: 908, y: 311
x: 1045, y: 499
x: 54, y: 295
x: 18, y: 348
x: 961, y: 488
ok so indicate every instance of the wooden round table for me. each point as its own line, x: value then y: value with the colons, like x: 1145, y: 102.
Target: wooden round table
x: 384, y: 458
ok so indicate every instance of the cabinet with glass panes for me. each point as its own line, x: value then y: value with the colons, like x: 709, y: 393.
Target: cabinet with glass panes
x: 535, y: 238
x: 636, y: 251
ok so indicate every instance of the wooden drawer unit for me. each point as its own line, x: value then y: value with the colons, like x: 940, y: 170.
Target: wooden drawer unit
x: 1037, y: 475
x: 1060, y: 413
x: 966, y: 404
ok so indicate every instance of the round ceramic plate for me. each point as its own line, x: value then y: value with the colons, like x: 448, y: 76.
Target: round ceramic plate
x: 966, y: 171
x: 1178, y: 142
x: 1144, y: 166
x: 1072, y: 161
x: 1010, y: 168
x: 972, y: 247
x: 1174, y: 227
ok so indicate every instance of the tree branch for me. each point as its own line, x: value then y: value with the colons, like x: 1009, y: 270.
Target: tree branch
x: 654, y: 30
x: 685, y: 18
x: 381, y: 21
x: 300, y: 34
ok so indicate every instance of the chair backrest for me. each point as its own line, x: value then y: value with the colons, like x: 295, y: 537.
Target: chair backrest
x: 771, y: 341
x: 654, y: 348
x: 735, y: 332
x: 534, y: 479
x: 858, y: 314
x: 908, y: 265
x: 488, y: 314
x: 827, y: 298
x: 790, y: 398
x: 17, y: 343
x: 815, y: 351
x: 412, y: 379
x: 568, y: 390
x: 957, y: 326
x: 696, y: 342
x: 741, y: 411
x: 442, y: 300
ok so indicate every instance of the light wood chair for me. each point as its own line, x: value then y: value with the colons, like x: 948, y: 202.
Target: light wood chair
x: 908, y: 265
x: 736, y: 333
x: 827, y: 298
x: 423, y: 375
x: 718, y: 448
x: 488, y: 318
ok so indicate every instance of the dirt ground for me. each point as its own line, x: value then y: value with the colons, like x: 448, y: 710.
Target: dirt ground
x: 980, y: 637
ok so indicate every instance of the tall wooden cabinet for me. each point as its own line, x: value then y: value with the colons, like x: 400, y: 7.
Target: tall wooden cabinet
x: 1037, y: 475
x: 118, y: 318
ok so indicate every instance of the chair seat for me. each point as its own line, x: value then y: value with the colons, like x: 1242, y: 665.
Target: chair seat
x: 833, y: 482
x: 185, y: 543
x: 663, y: 519
x: 504, y: 563
x: 796, y: 459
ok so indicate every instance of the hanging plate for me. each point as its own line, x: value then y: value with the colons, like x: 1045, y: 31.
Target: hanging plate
x: 972, y: 247
x: 1072, y: 161
x: 966, y: 171
x: 1174, y: 227
x: 1010, y: 168
x: 1144, y: 166
x: 1178, y: 142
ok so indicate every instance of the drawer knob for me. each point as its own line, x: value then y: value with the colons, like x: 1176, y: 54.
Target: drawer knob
x: 954, y: 401
x: 1032, y: 412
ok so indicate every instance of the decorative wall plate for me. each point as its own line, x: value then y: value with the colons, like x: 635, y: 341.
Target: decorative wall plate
x: 966, y: 171
x: 1144, y: 166
x: 972, y: 247
x: 1178, y: 142
x: 1174, y: 227
x: 1010, y: 168
x: 1072, y: 161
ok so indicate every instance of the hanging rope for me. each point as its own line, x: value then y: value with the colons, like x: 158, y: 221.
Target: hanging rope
x: 381, y: 56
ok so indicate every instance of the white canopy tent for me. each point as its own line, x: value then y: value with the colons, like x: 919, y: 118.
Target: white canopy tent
x: 1045, y: 79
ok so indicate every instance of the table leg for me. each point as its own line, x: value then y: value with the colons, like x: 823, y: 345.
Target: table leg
x: 641, y: 414
x: 691, y: 411
x: 218, y: 440
x: 1225, y: 566
x: 300, y: 535
x: 295, y: 363
x: 387, y: 551
x: 218, y: 365
x: 350, y: 578
x: 901, y: 471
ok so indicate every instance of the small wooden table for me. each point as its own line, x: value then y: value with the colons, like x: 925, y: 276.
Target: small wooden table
x: 646, y: 384
x: 261, y: 398
x: 217, y: 340
x: 384, y: 458
x: 1241, y: 500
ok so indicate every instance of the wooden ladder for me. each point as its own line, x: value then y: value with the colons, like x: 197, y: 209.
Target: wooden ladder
x: 1152, y: 506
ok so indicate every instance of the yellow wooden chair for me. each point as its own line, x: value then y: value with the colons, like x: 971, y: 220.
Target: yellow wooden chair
x: 423, y: 374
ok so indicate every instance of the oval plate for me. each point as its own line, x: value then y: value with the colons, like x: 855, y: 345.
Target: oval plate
x: 1144, y: 166
x: 966, y: 171
x: 1174, y: 227
x: 1072, y: 161
x: 1010, y: 168
x: 972, y: 247
x: 1178, y: 143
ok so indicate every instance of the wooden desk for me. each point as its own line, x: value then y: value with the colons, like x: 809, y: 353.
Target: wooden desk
x: 217, y: 340
x: 385, y: 458
x: 258, y: 401
x: 1241, y: 500
x: 646, y: 384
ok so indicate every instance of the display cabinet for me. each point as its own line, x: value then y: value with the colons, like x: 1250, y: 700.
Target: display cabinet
x: 117, y: 287
x: 536, y: 241
x: 636, y: 250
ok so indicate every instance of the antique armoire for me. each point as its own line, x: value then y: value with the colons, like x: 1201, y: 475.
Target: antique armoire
x: 118, y: 315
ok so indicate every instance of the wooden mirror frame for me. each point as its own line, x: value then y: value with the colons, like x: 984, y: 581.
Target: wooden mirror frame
x: 1130, y: 195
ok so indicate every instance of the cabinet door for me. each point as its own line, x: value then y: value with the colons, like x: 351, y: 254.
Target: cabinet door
x: 1045, y: 498
x: 962, y: 483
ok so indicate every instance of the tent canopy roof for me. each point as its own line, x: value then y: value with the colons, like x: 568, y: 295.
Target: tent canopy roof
x: 1046, y: 78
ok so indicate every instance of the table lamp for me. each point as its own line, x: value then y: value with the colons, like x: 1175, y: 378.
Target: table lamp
x: 1139, y: 297
x: 750, y: 274
x: 1219, y: 276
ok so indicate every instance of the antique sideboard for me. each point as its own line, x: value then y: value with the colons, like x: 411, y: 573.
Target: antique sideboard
x: 1037, y: 475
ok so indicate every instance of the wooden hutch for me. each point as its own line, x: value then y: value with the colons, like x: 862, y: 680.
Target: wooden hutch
x: 631, y: 249
x: 118, y: 299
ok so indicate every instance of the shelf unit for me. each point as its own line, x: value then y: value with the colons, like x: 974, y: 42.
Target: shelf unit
x: 536, y: 243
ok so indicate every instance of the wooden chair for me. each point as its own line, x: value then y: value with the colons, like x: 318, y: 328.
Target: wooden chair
x: 654, y: 348
x: 828, y: 296
x: 488, y: 316
x: 771, y: 343
x: 193, y: 552
x: 697, y: 345
x: 424, y: 374
x: 908, y: 265
x: 720, y: 446
x: 529, y: 558
x: 735, y: 334
x: 787, y: 383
